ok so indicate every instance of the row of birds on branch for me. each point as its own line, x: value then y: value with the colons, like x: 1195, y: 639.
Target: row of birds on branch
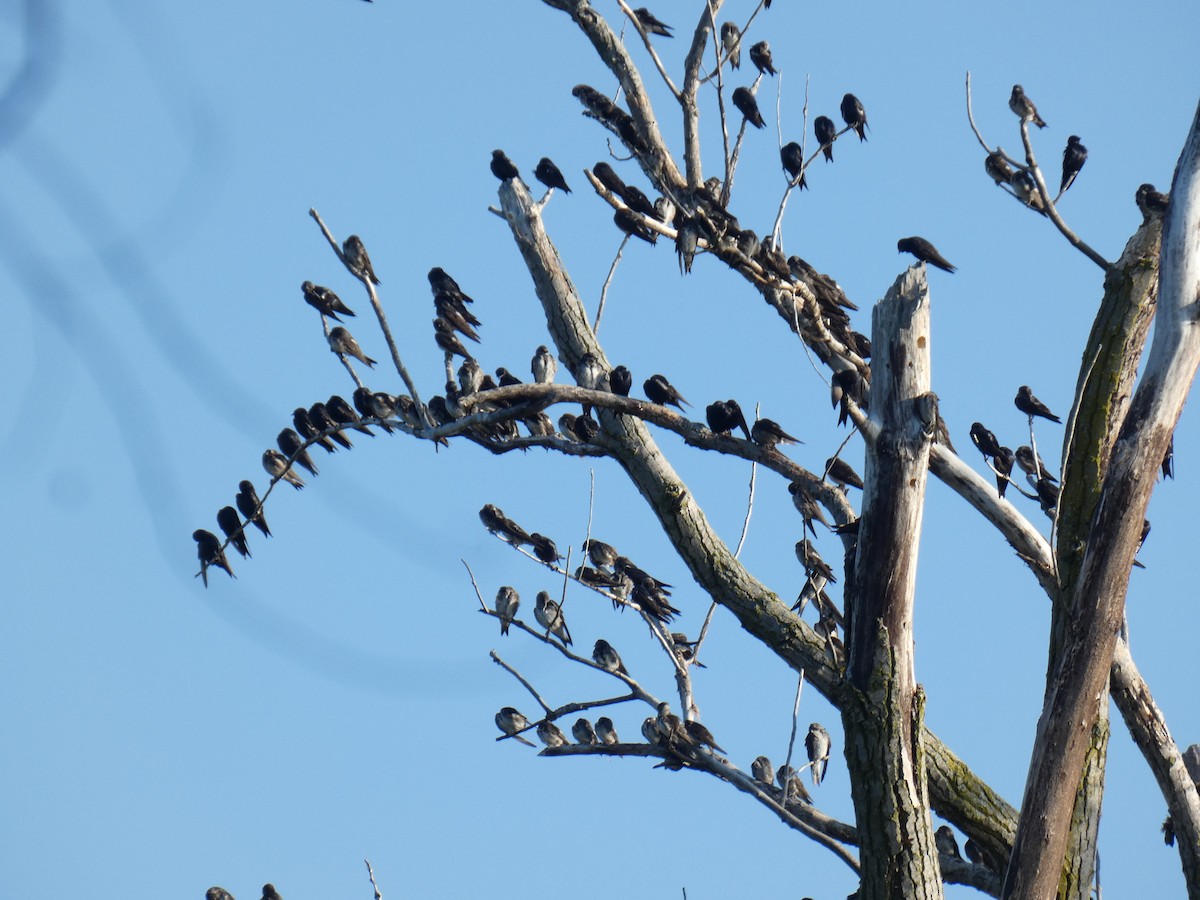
x: 219, y: 893
x: 1002, y: 459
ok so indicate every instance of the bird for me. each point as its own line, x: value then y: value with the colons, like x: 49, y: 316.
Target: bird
x: 499, y: 524
x: 813, y: 564
x: 470, y: 377
x: 1004, y: 466
x: 605, y: 731
x: 1032, y: 464
x: 792, y: 157
x: 453, y: 309
x: 442, y: 283
x: 1032, y: 406
x: 662, y: 392
x: 1150, y: 201
x: 855, y: 116
x: 251, y: 507
x: 760, y: 55
x: 639, y: 202
x: 670, y: 727
x: 924, y: 251
x: 701, y: 736
x: 984, y: 440
x: 269, y: 893
x: 507, y: 602
x: 291, y: 445
x: 342, y: 413
x: 510, y: 721
x: 446, y: 339
x: 793, y: 787
x: 817, y: 744
x: 602, y: 555
x: 1026, y: 190
x: 808, y: 507
x: 324, y: 301
x: 826, y: 133
x: 731, y: 40
x: 1168, y: 461
x: 744, y: 100
x: 621, y: 381
x: 543, y: 366
x: 610, y: 179
x: 997, y: 167
x: 276, y: 465
x: 502, y: 166
x: 357, y: 260
x: 217, y: 893
x: 227, y: 518
x: 762, y: 770
x: 549, y: 175
x: 342, y: 342
x: 544, y: 548
x: 650, y: 731
x: 842, y: 474
x: 1074, y: 156
x: 631, y: 223
x: 583, y: 732
x: 208, y: 548
x: 506, y: 378
x: 550, y: 616
x: 306, y: 429
x: 318, y: 415
x: 607, y: 658
x: 650, y: 24
x: 551, y: 735
x: 946, y: 843
x: 1023, y: 107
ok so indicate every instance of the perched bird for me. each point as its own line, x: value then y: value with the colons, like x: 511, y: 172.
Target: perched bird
x: 1026, y: 190
x: 549, y: 175
x: 748, y: 243
x: 808, y: 507
x: 762, y: 770
x: 855, y: 116
x: 997, y: 167
x: 817, y: 744
x: 583, y: 732
x: 543, y: 366
x: 760, y: 55
x: 544, y: 548
x: 453, y: 309
x: 701, y: 736
x: 1074, y: 156
x: 826, y: 133
x: 500, y: 525
x: 631, y: 223
x: 607, y: 658
x: 687, y: 241
x: 208, y: 548
x: 444, y: 336
x: 502, y: 166
x: 744, y: 100
x: 685, y: 649
x: 650, y: 731
x: 1168, y: 460
x: 551, y: 735
x: 946, y: 843
x: 506, y: 378
x: 227, y: 518
x: 251, y: 507
x: 602, y: 555
x: 842, y: 474
x: 650, y: 24
x: 1150, y: 201
x: 639, y: 202
x: 318, y: 415
x: 670, y: 727
x: 217, y: 893
x: 662, y: 392
x: 984, y: 440
x: 1033, y: 465
x: 342, y: 342
x: 1032, y: 406
x: 1023, y: 106
x: 306, y: 429
x: 767, y: 433
x: 792, y: 157
x: 324, y: 301
x: 731, y: 40
x: 291, y: 445
x: 1004, y: 466
x: 924, y: 251
x: 276, y: 465
x: 550, y: 616
x: 442, y: 283
x: 621, y: 381
x: 611, y: 180
x: 510, y: 722
x: 605, y: 731
x: 269, y: 893
x: 793, y: 787
x: 357, y: 260
x: 342, y: 413
x: 1047, y: 494
x: 507, y: 602
x: 846, y: 386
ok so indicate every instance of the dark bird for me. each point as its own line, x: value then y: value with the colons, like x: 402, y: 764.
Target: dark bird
x: 551, y: 735
x: 826, y: 133
x: 291, y: 445
x: 748, y: 243
x: 1032, y: 465
x: 453, y: 310
x: 855, y: 116
x: 611, y: 180
x: 984, y: 440
x: 324, y: 301
x: 602, y: 555
x: 502, y: 166
x: 227, y: 518
x: 813, y: 564
x: 269, y: 893
x: 441, y: 283
x: 924, y: 251
x: 503, y: 527
x: 583, y: 732
x: 550, y: 616
x: 506, y: 378
x: 586, y: 428
x: 1023, y: 106
x: 217, y: 893
x: 549, y: 175
x: 650, y: 24
x: 607, y: 658
x: 662, y: 392
x: 251, y: 507
x: 507, y: 602
x: 357, y: 261
x: 731, y: 40
x: 736, y: 417
x: 447, y: 340
x: 319, y: 415
x: 808, y: 507
x: 342, y: 413
x: 342, y: 342
x: 1074, y: 156
x: 306, y: 429
x: 631, y: 223
x: 846, y: 386
x: 762, y: 770
x: 687, y: 240
x: 817, y: 744
x: 720, y: 419
x: 997, y: 167
x: 1032, y: 406
x: 208, y: 548
x: 760, y: 55
x: 1151, y: 202
x: 639, y: 202
x: 744, y: 100
x: 1047, y: 494
x: 544, y: 549
x: 605, y: 731
x: 842, y: 474
x: 1168, y: 460
x: 510, y: 721
x: 699, y: 735
x: 621, y: 381
x: 946, y: 843
x: 792, y: 157
x: 1004, y: 466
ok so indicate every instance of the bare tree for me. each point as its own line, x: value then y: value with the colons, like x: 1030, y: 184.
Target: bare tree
x: 859, y: 655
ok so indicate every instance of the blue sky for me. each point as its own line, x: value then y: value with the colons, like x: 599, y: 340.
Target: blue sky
x: 336, y: 700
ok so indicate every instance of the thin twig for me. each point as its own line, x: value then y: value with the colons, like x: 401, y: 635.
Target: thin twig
x: 650, y: 49
x: 795, y: 721
x: 749, y: 509
x: 607, y: 281
x: 517, y: 675
x: 720, y: 85
x: 374, y: 886
x: 727, y: 188
x: 482, y: 605
x: 777, y: 228
x: 971, y: 117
